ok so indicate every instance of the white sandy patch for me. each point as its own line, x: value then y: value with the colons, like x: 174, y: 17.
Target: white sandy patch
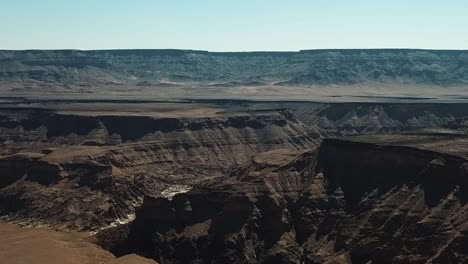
x: 170, y: 192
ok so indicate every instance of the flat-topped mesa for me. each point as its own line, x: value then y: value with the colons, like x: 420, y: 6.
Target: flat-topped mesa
x: 123, y: 141
x: 40, y: 125
x: 310, y: 67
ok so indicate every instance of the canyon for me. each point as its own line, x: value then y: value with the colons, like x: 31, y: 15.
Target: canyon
x: 347, y: 202
x: 176, y: 156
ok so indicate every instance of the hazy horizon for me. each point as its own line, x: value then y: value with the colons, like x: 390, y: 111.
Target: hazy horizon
x: 218, y: 26
x: 235, y: 51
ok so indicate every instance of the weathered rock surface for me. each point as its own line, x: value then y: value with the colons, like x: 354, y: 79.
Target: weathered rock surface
x: 349, y: 119
x: 246, y: 182
x: 57, y: 177
x: 347, y: 202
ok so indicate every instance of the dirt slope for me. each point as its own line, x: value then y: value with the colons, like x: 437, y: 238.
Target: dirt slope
x: 42, y: 246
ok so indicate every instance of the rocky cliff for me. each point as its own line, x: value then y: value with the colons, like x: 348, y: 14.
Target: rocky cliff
x: 347, y: 202
x: 88, y: 172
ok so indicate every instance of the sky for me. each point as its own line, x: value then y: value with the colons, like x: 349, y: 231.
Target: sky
x: 233, y: 25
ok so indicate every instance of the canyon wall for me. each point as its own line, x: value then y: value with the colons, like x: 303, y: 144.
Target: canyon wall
x: 346, y: 202
x: 90, y: 172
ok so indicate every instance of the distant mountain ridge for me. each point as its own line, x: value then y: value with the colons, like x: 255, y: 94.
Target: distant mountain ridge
x: 302, y: 68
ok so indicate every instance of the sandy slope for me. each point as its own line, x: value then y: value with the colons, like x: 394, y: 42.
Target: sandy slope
x: 42, y: 246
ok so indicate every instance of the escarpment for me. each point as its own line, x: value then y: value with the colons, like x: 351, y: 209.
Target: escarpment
x: 346, y: 202
x: 403, y: 204
x: 227, y: 69
x: 26, y: 125
x: 364, y: 167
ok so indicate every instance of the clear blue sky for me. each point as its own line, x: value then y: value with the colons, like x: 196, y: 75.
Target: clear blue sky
x: 233, y: 25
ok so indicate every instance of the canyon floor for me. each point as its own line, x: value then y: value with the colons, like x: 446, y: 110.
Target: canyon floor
x: 106, y: 180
